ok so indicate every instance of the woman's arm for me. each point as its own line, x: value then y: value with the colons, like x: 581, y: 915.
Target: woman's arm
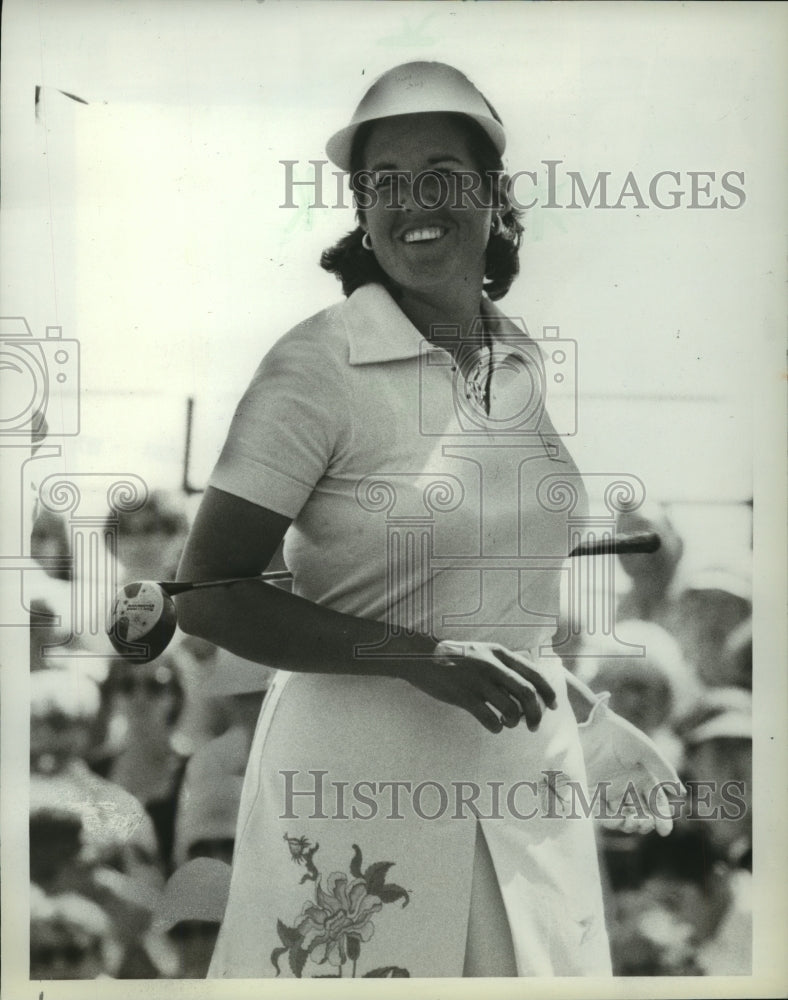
x: 233, y: 537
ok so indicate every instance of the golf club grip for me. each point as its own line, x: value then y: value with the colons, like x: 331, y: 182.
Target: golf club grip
x: 642, y: 541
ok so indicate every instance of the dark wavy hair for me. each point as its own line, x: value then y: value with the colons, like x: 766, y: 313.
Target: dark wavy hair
x: 354, y: 266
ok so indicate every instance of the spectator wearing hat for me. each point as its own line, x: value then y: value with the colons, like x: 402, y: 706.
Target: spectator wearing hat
x: 70, y: 938
x: 142, y: 752
x: 701, y: 875
x: 77, y: 848
x: 64, y: 704
x: 150, y: 539
x: 97, y: 837
x: 685, y: 913
x: 655, y: 578
x: 211, y: 790
x: 191, y: 911
x: 207, y: 817
x: 713, y: 603
x: 240, y: 687
x: 717, y: 734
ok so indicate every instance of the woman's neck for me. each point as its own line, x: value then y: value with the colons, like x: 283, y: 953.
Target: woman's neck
x: 444, y: 309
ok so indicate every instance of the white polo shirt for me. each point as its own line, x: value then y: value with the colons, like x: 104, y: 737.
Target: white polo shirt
x: 408, y: 503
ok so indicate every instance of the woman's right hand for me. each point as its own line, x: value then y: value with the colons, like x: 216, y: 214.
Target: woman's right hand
x: 498, y: 687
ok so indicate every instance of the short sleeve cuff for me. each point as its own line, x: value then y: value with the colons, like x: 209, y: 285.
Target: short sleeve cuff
x: 243, y: 477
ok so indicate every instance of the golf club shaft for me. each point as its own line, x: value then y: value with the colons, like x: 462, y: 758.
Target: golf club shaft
x: 644, y: 541
x: 182, y: 588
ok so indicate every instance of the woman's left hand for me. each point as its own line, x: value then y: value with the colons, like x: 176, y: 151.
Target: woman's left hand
x: 636, y: 781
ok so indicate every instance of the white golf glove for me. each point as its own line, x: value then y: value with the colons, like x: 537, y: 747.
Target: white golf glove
x: 637, y: 781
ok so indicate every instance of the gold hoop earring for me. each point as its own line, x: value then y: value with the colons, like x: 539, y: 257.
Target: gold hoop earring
x: 366, y: 242
x: 497, y: 226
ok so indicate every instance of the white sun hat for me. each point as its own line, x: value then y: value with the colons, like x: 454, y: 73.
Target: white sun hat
x: 418, y: 88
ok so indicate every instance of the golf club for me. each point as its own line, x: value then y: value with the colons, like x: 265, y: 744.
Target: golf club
x: 143, y: 618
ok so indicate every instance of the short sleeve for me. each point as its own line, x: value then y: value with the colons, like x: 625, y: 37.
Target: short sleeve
x: 286, y: 427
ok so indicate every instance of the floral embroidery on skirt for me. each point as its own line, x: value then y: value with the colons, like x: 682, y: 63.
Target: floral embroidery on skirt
x: 332, y: 927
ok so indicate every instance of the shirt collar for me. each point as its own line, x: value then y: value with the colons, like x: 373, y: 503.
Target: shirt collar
x: 379, y: 331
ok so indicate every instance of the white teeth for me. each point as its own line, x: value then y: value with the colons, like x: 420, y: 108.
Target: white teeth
x: 417, y: 235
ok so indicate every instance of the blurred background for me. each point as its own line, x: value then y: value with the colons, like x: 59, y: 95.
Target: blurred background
x: 144, y: 185
x: 136, y: 771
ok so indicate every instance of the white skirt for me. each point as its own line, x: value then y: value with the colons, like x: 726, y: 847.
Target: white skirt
x: 355, y: 841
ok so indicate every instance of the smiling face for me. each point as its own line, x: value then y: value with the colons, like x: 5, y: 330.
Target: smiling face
x: 423, y: 249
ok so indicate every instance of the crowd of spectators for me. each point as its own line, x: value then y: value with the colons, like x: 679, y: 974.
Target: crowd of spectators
x: 136, y: 771
x: 681, y: 905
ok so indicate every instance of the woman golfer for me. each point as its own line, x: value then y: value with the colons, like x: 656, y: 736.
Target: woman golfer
x: 413, y: 800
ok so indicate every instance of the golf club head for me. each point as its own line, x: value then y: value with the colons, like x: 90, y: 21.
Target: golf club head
x: 143, y: 621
